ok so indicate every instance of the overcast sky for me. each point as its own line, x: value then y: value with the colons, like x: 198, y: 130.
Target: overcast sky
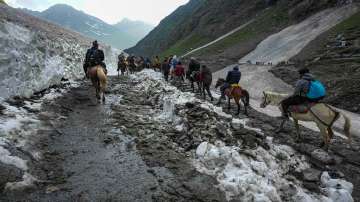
x: 111, y: 11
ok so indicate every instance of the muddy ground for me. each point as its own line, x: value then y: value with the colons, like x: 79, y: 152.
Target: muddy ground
x: 117, y: 152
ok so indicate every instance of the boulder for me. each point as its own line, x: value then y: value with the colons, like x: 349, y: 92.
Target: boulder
x: 311, y: 175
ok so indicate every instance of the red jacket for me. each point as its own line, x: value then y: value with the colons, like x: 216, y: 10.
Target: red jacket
x: 179, y: 70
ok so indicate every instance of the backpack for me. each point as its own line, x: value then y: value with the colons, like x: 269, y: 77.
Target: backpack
x: 316, y: 90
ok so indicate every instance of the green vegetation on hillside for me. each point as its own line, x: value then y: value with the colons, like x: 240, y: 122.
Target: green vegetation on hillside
x: 2, y: 2
x: 269, y: 20
x: 351, y: 23
x: 186, y: 45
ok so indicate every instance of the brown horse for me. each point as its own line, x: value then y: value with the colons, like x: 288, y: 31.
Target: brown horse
x: 99, y: 81
x: 235, y: 93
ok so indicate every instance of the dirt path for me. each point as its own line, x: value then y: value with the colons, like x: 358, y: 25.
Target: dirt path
x: 88, y: 158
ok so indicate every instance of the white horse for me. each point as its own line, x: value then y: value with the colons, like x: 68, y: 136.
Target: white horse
x: 322, y: 114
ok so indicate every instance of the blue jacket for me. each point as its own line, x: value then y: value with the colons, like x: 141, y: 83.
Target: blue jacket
x: 302, y: 85
x: 233, y: 77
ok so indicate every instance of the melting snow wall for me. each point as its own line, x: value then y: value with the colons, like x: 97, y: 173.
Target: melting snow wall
x: 30, y: 61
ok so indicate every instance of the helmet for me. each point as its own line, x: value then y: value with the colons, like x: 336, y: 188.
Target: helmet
x: 236, y: 67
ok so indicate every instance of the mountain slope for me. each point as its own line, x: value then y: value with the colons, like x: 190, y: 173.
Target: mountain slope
x: 88, y: 25
x: 137, y: 29
x: 334, y: 63
x: 199, y: 22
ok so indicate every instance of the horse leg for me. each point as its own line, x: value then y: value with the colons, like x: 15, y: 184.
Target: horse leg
x: 103, y: 96
x: 229, y: 104
x: 237, y: 101
x: 245, y: 106
x: 281, y: 127
x: 296, y: 123
x: 326, y: 139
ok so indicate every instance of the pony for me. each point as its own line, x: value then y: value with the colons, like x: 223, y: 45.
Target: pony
x: 99, y: 81
x: 322, y: 114
x: 235, y: 93
x: 122, y: 66
x: 195, y: 77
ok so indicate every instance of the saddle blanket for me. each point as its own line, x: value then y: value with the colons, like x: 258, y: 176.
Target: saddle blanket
x: 234, y: 89
x: 303, y: 108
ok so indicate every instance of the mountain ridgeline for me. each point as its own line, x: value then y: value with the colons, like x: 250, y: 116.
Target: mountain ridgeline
x: 201, y: 21
x: 122, y: 35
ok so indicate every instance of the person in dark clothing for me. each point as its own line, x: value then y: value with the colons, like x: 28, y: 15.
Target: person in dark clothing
x: 194, y: 66
x: 94, y: 56
x: 300, y: 93
x: 165, y: 68
x: 233, y: 77
x: 206, y: 75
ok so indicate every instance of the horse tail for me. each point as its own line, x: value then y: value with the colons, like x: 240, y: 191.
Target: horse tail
x: 247, y: 98
x: 102, y: 78
x: 347, y: 126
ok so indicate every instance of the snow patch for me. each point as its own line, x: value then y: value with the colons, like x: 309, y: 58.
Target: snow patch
x: 28, y: 181
x: 261, y: 177
x: 7, y: 158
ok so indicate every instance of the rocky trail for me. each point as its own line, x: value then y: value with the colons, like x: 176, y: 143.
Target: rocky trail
x: 153, y: 142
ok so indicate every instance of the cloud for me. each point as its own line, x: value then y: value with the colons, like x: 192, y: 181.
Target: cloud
x: 111, y: 11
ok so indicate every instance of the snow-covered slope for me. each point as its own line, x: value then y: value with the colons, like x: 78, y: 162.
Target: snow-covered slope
x: 290, y: 41
x: 35, y: 54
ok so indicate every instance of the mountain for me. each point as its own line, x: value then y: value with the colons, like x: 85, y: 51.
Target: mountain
x: 201, y: 21
x: 90, y: 26
x: 137, y: 29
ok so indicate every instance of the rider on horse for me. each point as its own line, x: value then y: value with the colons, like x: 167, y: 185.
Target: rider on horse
x: 301, y: 93
x: 94, y: 56
x: 233, y: 77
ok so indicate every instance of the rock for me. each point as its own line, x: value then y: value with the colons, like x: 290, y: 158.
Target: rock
x: 221, y: 129
x: 190, y: 105
x: 311, y: 175
x: 322, y: 156
x: 9, y: 174
x: 312, y: 186
x: 51, y: 189
x: 237, y: 124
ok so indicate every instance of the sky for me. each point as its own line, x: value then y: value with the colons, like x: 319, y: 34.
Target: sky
x: 111, y: 11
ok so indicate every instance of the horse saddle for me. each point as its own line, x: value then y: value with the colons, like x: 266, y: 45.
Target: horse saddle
x: 303, y: 108
x: 235, y: 89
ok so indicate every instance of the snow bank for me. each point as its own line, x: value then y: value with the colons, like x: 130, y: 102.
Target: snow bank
x: 30, y: 61
x: 261, y: 175
x: 152, y: 83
